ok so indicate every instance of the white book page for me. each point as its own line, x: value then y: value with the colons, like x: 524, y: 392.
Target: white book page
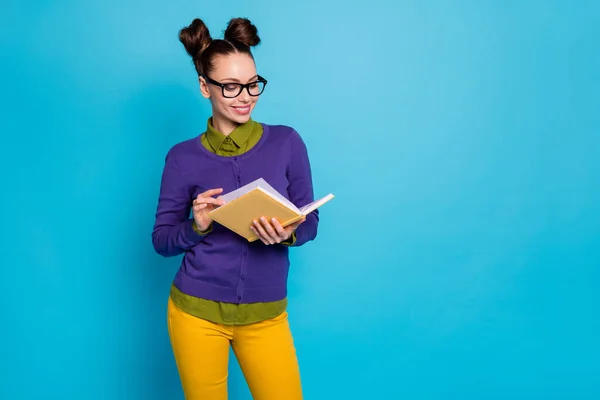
x: 307, y: 209
x: 243, y: 190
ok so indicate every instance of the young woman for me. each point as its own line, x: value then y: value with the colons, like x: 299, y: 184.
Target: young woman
x: 228, y: 291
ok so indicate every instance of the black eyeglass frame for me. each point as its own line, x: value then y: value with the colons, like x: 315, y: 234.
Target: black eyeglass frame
x: 240, y: 85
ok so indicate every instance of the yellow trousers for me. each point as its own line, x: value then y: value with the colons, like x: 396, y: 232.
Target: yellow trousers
x: 265, y: 352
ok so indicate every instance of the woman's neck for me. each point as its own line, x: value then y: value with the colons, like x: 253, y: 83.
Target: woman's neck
x: 223, y: 125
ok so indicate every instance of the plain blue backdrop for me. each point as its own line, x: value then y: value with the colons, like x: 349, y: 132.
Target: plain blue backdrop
x: 459, y: 260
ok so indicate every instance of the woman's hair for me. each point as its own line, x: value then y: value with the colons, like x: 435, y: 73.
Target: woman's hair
x: 239, y: 37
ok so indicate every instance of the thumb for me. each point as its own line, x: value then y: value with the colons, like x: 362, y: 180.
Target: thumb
x: 298, y: 223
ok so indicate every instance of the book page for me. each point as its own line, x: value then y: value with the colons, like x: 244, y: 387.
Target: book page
x: 307, y: 209
x: 243, y: 190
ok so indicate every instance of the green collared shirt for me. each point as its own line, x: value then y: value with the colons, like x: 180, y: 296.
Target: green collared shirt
x: 239, y: 141
x: 242, y: 139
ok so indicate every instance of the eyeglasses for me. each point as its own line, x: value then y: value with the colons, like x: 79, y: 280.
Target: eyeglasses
x: 232, y: 89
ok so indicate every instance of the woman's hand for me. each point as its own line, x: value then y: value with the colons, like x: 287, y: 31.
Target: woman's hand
x: 203, y: 204
x: 271, y: 232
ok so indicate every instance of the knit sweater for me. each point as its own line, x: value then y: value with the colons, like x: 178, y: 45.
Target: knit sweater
x: 240, y: 140
x: 221, y: 265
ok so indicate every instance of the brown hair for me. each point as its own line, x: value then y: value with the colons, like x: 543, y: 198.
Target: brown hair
x: 239, y: 37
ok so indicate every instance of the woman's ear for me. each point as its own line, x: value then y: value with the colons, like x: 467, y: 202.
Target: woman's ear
x: 203, y: 87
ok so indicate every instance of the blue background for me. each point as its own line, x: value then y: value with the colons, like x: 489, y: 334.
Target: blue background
x: 459, y: 260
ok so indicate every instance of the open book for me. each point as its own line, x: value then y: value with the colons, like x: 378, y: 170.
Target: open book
x: 256, y: 199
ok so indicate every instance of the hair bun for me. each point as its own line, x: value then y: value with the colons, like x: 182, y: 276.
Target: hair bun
x: 243, y: 31
x: 195, y: 37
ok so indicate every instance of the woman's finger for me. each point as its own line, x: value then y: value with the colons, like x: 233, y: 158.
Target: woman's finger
x: 211, y: 192
x: 258, y: 234
x: 205, y: 200
x: 219, y: 201
x: 270, y: 231
x: 295, y: 225
x: 262, y: 232
x: 279, y: 229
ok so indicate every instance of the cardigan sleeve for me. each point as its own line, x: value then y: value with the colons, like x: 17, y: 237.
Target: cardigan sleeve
x: 300, y: 189
x: 174, y: 230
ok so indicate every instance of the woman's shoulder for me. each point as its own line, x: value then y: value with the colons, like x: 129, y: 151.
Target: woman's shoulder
x: 184, y: 148
x: 282, y: 131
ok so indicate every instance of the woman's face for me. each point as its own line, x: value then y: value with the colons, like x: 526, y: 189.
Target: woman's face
x: 233, y: 68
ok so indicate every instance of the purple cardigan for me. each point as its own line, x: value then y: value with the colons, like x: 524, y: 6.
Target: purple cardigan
x: 221, y: 265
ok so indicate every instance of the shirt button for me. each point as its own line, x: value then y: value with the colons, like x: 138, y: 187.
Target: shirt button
x: 242, y: 277
x: 239, y: 297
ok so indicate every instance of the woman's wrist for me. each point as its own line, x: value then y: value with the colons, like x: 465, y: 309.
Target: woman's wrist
x: 199, y: 229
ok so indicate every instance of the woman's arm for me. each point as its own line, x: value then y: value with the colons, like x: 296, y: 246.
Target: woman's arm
x: 174, y: 230
x: 300, y: 190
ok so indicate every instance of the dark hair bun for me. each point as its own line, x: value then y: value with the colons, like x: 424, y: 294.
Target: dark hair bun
x: 195, y: 37
x: 243, y: 31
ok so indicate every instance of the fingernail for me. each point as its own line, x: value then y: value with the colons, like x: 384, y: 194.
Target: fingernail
x: 263, y: 219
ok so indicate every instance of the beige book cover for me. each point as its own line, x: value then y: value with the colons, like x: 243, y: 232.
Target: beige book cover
x: 244, y: 205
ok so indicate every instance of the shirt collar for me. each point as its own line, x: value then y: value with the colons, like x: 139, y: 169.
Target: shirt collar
x: 239, y: 135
